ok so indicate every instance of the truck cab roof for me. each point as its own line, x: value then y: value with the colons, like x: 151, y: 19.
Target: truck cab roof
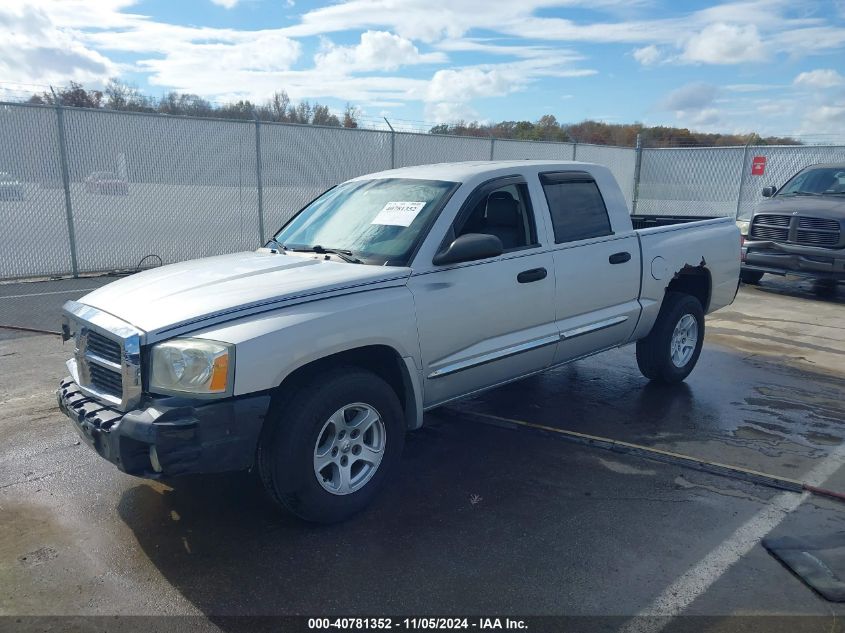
x: 466, y: 171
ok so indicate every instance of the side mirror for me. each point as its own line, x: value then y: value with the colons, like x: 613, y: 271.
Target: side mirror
x: 468, y: 248
x: 769, y: 191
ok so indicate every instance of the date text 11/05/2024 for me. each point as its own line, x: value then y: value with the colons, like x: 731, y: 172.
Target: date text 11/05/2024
x: 326, y: 624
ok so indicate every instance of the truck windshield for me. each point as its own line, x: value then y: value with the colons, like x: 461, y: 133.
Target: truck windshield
x: 376, y: 221
x: 821, y: 181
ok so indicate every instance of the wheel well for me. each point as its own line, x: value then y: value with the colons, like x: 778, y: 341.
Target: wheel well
x: 382, y: 360
x: 693, y: 281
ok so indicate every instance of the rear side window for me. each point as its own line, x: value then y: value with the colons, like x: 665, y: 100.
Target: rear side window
x: 576, y: 206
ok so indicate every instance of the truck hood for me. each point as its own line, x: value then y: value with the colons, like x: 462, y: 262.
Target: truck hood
x: 203, y: 291
x: 821, y: 206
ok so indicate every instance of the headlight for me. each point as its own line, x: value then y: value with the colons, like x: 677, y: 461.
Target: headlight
x: 192, y: 366
x: 743, y: 226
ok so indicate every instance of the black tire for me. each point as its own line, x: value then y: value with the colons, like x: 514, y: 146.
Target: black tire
x: 286, y: 452
x: 654, y: 352
x: 825, y: 288
x: 750, y: 276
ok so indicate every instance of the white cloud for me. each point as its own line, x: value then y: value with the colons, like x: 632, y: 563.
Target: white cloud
x: 450, y: 91
x: 469, y: 83
x: 825, y: 120
x: 821, y: 78
x: 226, y: 4
x: 694, y: 96
x: 647, y: 55
x: 377, y: 50
x: 222, y: 66
x: 722, y: 43
x: 33, y: 50
x: 450, y: 112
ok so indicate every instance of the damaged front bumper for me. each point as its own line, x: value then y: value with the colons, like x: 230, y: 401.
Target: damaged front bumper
x: 789, y: 259
x: 169, y: 436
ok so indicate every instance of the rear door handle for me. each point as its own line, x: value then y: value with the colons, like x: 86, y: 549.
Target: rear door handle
x: 535, y: 274
x: 619, y: 258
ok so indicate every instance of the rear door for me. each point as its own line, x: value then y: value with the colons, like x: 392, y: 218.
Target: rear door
x: 597, y: 271
x: 485, y: 322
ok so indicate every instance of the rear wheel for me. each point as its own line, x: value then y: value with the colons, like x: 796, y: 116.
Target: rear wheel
x: 332, y: 445
x: 671, y: 350
x: 750, y: 276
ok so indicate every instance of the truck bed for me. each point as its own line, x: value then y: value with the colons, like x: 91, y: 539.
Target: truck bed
x: 649, y: 221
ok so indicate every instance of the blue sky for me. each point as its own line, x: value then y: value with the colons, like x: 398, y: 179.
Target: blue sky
x: 774, y: 66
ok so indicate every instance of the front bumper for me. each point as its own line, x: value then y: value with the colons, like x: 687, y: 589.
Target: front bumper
x: 781, y: 259
x: 169, y: 436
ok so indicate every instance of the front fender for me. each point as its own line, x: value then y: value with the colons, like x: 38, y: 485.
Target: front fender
x: 273, y: 345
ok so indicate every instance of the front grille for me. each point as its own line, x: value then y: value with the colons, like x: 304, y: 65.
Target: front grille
x: 817, y: 238
x: 769, y: 233
x: 107, y: 358
x: 106, y: 380
x: 103, y: 347
x: 772, y: 220
x: 818, y: 224
x: 790, y: 229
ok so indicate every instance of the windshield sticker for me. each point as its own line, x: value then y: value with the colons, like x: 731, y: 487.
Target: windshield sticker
x: 399, y: 213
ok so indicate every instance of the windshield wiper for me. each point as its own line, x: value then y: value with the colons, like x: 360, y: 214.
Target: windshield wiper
x: 802, y: 193
x: 345, y: 255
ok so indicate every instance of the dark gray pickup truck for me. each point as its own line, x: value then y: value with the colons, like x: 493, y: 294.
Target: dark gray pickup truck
x: 800, y: 229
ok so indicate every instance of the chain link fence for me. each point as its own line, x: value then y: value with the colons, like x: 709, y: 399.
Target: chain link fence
x: 85, y: 191
x: 781, y: 162
x: 700, y: 181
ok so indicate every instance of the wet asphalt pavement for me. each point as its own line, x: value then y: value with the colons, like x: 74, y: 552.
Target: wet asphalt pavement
x: 480, y: 519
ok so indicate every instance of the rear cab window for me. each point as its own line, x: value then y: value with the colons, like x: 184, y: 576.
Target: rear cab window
x: 576, y: 206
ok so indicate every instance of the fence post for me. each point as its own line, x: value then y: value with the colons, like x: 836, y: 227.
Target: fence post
x: 638, y: 162
x: 71, y: 232
x: 574, y: 150
x: 742, y: 177
x: 492, y: 147
x: 258, y: 177
x: 392, y: 144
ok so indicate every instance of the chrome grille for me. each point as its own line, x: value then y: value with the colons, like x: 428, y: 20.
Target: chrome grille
x: 107, y: 356
x: 106, y: 380
x: 103, y: 347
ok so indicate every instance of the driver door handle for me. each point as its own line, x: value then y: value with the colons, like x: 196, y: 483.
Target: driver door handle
x: 619, y: 258
x: 535, y: 274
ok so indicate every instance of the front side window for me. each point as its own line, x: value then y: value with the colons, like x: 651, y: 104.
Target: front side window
x: 577, y: 209
x: 816, y: 182
x: 376, y: 221
x: 504, y: 212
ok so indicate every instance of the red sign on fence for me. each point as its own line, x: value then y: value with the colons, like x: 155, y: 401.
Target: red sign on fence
x: 758, y: 166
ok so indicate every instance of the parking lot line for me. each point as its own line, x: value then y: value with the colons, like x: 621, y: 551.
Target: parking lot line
x: 678, y: 459
x: 52, y: 292
x: 675, y: 599
x: 681, y: 593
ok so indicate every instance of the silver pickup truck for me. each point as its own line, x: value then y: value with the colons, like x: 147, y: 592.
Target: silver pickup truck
x: 389, y: 295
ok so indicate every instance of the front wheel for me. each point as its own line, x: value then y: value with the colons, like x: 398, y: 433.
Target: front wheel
x: 671, y: 350
x: 331, y: 444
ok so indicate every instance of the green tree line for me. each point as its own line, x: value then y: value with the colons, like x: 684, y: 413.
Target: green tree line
x: 547, y: 128
x: 118, y: 95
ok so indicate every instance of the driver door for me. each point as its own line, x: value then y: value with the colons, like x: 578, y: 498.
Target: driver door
x: 485, y: 322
